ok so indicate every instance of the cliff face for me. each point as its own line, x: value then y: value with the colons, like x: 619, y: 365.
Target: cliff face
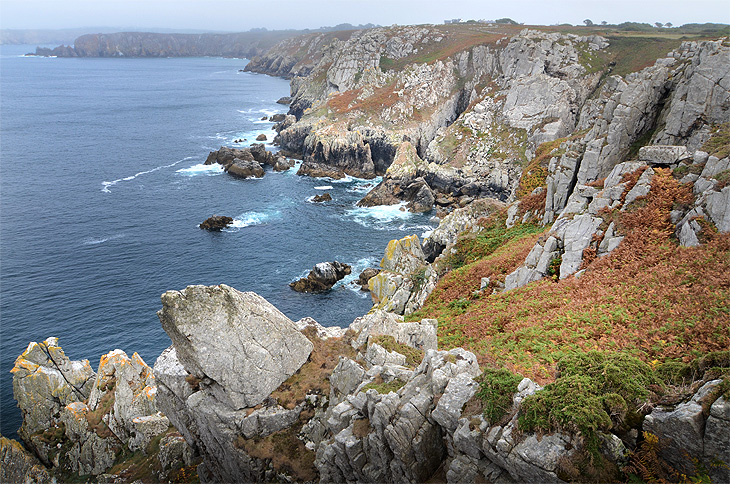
x: 145, y: 44
x: 478, y: 102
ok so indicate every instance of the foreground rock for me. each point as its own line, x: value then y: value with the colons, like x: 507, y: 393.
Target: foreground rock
x: 322, y: 277
x: 209, y: 325
x: 216, y: 223
x: 230, y: 351
x: 18, y: 465
x: 77, y: 421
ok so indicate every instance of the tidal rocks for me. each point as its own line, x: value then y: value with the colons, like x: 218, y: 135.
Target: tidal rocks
x: 320, y: 170
x: 322, y: 277
x: 366, y: 275
x: 286, y: 100
x: 278, y: 118
x: 325, y: 197
x: 237, y: 344
x: 245, y: 169
x: 261, y: 137
x: 216, y: 223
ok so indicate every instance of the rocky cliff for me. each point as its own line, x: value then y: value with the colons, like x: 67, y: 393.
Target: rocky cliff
x: 566, y: 321
x: 477, y: 102
x: 147, y: 44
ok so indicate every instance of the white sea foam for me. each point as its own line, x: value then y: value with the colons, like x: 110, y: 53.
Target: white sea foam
x: 107, y: 184
x: 201, y: 169
x: 349, y: 281
x: 380, y: 216
x: 247, y: 219
x: 324, y: 187
x: 101, y: 240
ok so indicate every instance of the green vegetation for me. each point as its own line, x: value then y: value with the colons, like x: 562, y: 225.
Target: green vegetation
x: 413, y: 355
x: 384, y: 388
x: 650, y: 297
x: 386, y: 63
x: 594, y: 391
x: 496, y: 387
x: 719, y: 143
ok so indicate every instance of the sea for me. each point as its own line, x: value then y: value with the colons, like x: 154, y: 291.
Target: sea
x: 102, y: 188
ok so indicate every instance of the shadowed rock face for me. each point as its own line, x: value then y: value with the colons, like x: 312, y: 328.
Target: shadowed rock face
x: 322, y: 277
x: 238, y: 344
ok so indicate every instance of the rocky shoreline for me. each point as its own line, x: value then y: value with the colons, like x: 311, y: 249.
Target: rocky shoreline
x: 532, y: 127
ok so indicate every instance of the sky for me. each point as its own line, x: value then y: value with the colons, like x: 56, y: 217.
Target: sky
x: 241, y: 15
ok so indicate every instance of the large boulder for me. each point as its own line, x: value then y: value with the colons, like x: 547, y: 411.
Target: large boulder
x: 322, y: 277
x: 236, y: 343
x: 245, y: 169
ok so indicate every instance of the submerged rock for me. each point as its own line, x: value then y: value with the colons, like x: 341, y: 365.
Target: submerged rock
x: 216, y: 223
x: 322, y: 277
x: 325, y: 197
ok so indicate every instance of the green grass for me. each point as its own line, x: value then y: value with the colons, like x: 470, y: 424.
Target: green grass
x: 496, y: 387
x: 384, y: 388
x: 413, y: 355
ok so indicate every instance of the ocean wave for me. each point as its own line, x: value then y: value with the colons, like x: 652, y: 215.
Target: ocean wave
x: 201, y: 169
x: 379, y: 217
x: 248, y: 219
x: 107, y: 184
x: 101, y: 240
x: 349, y: 281
x: 324, y: 187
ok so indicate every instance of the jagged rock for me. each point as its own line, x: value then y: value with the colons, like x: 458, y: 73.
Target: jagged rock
x: 682, y: 428
x: 245, y: 169
x: 322, y: 277
x: 17, y: 465
x: 216, y: 223
x: 421, y: 335
x: 319, y: 170
x: 717, y: 446
x: 282, y: 164
x: 458, y: 391
x: 664, y: 155
x: 321, y: 332
x: 325, y: 197
x: 45, y: 380
x: 173, y: 450
x: 220, y: 334
x: 284, y: 100
x: 366, y: 275
x: 460, y: 221
x: 403, y: 256
x: 278, y: 118
x: 717, y: 205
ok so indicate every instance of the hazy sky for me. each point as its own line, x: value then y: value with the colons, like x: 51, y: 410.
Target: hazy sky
x: 232, y: 15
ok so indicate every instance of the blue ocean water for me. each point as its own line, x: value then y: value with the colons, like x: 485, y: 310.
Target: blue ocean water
x: 102, y: 187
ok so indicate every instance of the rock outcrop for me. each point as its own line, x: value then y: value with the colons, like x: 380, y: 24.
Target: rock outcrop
x: 78, y: 421
x: 230, y: 351
x: 216, y: 223
x: 248, y: 162
x: 322, y: 277
x: 18, y: 465
x: 147, y: 44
